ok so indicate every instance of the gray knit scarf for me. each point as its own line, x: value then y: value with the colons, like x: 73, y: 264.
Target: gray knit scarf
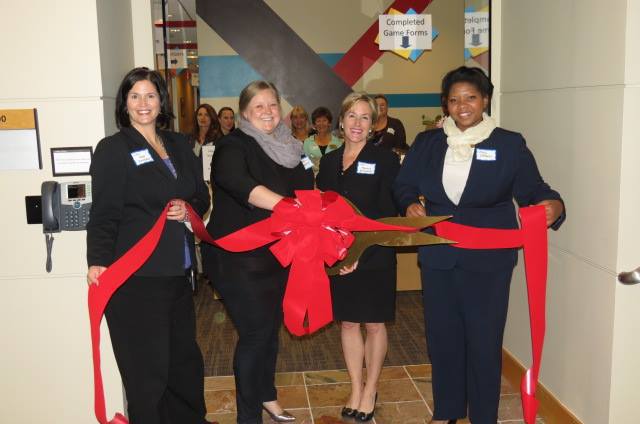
x: 280, y: 145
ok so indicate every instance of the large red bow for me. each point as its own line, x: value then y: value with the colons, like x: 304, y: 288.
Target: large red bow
x: 313, y: 229
x: 532, y: 237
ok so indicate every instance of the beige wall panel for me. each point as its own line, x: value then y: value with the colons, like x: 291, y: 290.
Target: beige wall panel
x: 632, y: 65
x: 626, y: 342
x: 576, y: 363
x: 116, y: 43
x: 565, y: 43
x: 143, y: 36
x: 46, y: 368
x: 572, y: 134
x: 330, y: 26
x: 209, y: 42
x: 53, y: 39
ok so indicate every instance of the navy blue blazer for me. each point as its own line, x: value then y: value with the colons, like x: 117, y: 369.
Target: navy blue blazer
x: 487, y: 199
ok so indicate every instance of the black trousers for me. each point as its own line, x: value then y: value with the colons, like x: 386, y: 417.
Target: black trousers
x: 255, y: 307
x: 465, y: 314
x: 152, y: 326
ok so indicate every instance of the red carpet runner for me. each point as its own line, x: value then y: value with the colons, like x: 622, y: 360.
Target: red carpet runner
x: 315, y: 229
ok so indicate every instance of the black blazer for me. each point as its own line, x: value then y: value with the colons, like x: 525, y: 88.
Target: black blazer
x: 239, y: 165
x: 128, y: 199
x: 369, y: 190
x: 487, y: 199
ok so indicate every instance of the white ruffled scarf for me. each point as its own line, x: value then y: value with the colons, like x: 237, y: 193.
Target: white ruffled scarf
x: 462, y: 143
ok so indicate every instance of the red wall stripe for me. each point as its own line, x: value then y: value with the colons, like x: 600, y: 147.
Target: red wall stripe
x: 364, y: 53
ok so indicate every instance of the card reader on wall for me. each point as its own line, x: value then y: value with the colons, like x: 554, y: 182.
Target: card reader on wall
x: 65, y: 207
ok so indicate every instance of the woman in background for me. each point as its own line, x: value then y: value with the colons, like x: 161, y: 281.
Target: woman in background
x: 151, y: 318
x: 254, y: 167
x: 300, y: 127
x: 227, y: 120
x: 472, y: 170
x: 388, y: 132
x: 206, y: 129
x: 323, y: 141
x: 363, y: 173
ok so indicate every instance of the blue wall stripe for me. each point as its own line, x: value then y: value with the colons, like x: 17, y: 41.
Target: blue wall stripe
x: 226, y: 76
x: 414, y: 100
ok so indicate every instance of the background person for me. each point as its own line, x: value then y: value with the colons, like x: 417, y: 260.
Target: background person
x: 323, y: 141
x: 363, y: 173
x: 227, y: 119
x: 206, y: 128
x: 466, y: 292
x: 300, y: 127
x: 135, y: 173
x: 254, y: 167
x: 388, y: 132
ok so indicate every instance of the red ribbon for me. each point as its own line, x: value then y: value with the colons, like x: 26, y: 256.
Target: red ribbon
x: 310, y: 231
x: 532, y: 236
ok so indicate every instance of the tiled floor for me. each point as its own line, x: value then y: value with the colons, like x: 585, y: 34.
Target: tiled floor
x: 404, y: 397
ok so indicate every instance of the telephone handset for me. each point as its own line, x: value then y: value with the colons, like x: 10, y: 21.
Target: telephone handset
x: 65, y: 206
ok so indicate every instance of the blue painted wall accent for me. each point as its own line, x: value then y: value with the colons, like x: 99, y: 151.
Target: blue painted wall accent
x: 226, y: 76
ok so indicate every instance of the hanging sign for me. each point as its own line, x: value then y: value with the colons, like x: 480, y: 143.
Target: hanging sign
x: 405, y: 31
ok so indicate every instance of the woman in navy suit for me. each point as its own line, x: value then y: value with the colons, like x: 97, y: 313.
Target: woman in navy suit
x: 472, y: 170
x: 151, y: 318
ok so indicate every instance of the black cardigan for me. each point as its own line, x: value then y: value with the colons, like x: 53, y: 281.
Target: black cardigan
x: 239, y: 165
x: 128, y: 199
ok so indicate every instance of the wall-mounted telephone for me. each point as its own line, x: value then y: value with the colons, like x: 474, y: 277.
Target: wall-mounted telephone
x: 65, y: 206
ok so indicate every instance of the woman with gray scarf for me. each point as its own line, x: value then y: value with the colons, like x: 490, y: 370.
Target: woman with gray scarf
x: 253, y: 168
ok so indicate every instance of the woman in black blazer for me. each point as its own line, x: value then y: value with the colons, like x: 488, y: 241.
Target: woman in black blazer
x: 472, y: 170
x: 253, y: 168
x: 363, y: 173
x: 151, y: 319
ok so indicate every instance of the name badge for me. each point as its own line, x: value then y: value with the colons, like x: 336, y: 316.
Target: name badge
x: 306, y: 162
x: 366, y: 168
x: 391, y: 130
x: 486, y: 154
x: 140, y: 157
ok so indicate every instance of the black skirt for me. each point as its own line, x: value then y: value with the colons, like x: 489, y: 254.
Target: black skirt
x: 365, y: 295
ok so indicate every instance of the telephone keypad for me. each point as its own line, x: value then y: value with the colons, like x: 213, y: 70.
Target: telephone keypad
x: 75, y: 218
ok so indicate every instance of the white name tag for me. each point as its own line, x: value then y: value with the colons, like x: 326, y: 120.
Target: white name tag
x: 140, y: 157
x: 306, y: 162
x: 486, y: 154
x: 391, y: 130
x: 366, y: 168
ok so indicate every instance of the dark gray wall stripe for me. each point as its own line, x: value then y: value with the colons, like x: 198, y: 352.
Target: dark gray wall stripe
x: 275, y: 51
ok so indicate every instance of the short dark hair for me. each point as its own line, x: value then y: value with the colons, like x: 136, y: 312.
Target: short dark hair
x: 381, y: 96
x: 129, y: 80
x: 321, y: 112
x: 473, y: 76
x: 222, y: 109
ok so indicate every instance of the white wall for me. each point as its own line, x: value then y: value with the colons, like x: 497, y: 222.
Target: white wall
x: 625, y: 372
x: 563, y: 86
x: 52, y: 61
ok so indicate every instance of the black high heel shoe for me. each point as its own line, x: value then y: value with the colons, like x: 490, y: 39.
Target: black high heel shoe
x: 364, y: 417
x: 348, y: 412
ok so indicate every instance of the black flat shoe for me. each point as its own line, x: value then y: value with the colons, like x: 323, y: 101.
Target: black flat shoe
x: 364, y: 417
x: 348, y: 412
